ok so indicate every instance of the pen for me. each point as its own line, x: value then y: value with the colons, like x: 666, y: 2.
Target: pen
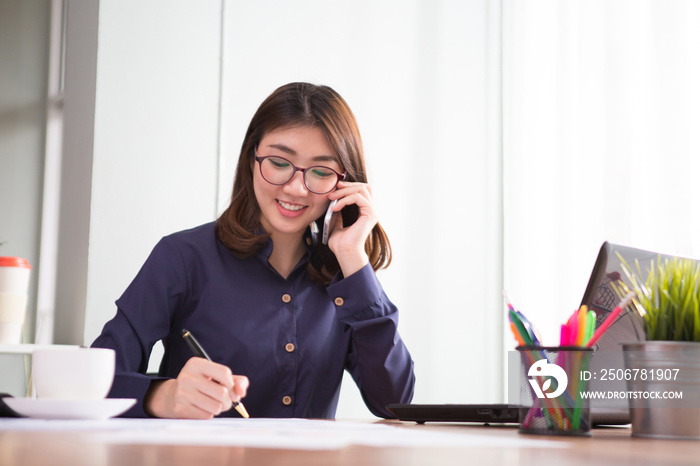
x: 590, y: 325
x: 517, y: 336
x: 518, y: 319
x: 199, y: 351
x: 564, y: 335
x: 573, y: 328
x: 581, y: 317
x: 520, y: 328
x: 529, y: 328
x: 611, y: 318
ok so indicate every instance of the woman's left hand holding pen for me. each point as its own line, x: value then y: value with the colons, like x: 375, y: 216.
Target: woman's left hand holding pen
x: 202, y: 390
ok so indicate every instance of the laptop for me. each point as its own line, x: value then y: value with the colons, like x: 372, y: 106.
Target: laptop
x: 599, y: 296
x: 484, y: 414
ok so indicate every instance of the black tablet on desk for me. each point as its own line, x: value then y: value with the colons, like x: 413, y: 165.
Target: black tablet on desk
x: 486, y: 413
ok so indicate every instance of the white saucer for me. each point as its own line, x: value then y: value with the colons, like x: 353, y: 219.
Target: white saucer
x: 43, y: 408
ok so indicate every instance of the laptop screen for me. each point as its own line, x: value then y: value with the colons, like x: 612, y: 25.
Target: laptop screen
x: 601, y: 296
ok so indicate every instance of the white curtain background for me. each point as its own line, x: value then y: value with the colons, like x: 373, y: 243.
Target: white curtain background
x: 601, y: 142
x: 423, y: 81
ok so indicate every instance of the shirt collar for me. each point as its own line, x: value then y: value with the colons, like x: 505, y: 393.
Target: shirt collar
x: 310, y: 239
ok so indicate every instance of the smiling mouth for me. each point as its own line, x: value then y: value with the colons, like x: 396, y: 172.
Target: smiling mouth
x: 291, y: 207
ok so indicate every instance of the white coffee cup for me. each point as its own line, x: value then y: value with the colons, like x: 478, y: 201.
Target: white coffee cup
x: 14, y: 283
x: 73, y: 373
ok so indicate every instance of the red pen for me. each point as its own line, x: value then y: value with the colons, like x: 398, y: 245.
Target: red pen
x: 611, y: 318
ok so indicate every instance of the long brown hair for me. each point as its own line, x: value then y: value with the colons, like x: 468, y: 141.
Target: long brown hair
x: 294, y: 105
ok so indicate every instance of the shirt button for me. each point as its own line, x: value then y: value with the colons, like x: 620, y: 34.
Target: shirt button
x: 286, y: 298
x: 339, y: 301
x: 289, y: 347
x: 287, y: 400
x: 308, y: 241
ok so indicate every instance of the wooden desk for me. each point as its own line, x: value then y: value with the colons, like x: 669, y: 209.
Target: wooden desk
x: 612, y: 446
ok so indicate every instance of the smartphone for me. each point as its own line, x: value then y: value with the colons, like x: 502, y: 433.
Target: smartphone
x: 349, y: 214
x: 330, y: 216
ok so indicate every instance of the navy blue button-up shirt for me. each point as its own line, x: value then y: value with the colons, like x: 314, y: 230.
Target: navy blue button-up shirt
x: 291, y: 337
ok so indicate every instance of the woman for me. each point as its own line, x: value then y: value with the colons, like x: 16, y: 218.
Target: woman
x: 274, y: 307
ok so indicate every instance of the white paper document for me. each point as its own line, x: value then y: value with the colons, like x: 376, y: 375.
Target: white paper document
x: 295, y: 434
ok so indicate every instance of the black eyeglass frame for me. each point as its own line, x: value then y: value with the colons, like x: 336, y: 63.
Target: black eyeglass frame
x: 260, y: 159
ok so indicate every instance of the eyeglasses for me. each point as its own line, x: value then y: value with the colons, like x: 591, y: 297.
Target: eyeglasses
x: 317, y: 179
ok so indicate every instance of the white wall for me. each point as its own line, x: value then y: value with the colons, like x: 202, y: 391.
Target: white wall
x: 140, y: 146
x: 156, y: 137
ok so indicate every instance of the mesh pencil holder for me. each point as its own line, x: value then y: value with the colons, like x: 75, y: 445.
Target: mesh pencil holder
x: 553, y: 390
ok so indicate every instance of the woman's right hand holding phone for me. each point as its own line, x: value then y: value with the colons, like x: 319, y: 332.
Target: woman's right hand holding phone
x: 348, y: 243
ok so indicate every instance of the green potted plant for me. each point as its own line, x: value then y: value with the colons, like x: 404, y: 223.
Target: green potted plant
x: 663, y: 372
